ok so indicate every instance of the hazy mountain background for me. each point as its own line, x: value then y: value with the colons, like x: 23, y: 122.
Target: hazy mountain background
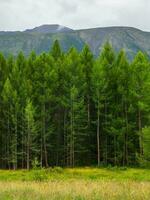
x: 41, y: 39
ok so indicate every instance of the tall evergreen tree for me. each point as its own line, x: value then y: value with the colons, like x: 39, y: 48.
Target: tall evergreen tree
x: 71, y: 109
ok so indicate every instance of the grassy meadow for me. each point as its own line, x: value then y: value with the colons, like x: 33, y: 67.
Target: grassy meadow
x: 75, y: 184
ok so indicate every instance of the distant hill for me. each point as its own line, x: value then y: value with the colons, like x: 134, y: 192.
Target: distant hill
x: 54, y: 28
x: 41, y: 39
x: 128, y: 38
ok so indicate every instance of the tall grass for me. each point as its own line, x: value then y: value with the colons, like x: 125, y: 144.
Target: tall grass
x: 76, y: 190
x: 75, y: 184
x: 115, y: 174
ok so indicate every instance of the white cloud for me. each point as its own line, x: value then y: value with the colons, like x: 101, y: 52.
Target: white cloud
x: 23, y: 14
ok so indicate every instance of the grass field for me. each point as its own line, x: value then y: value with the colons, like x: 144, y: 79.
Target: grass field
x: 75, y: 184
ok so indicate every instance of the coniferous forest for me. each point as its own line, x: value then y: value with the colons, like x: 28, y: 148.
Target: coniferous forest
x: 74, y: 109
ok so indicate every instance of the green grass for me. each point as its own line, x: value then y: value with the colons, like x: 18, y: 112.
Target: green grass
x: 76, y: 184
x: 115, y: 174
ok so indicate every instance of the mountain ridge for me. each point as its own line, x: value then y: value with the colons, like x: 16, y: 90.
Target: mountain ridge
x: 42, y: 37
x: 49, y: 28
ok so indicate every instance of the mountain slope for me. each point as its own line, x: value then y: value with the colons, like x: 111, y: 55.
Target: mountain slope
x: 14, y: 42
x: 130, y: 39
x: 41, y: 39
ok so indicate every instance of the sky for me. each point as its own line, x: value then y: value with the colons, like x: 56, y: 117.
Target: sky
x: 76, y: 14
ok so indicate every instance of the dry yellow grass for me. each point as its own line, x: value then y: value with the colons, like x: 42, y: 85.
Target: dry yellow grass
x: 75, y: 190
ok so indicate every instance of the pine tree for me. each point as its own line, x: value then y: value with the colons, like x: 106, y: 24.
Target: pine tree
x: 71, y: 109
x: 87, y: 62
x: 31, y: 128
x: 141, y: 75
x: 56, y: 50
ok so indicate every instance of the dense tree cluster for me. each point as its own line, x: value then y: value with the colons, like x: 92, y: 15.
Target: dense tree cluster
x: 71, y: 109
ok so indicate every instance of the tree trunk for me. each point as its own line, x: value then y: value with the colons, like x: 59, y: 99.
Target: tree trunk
x: 98, y: 133
x: 44, y: 138
x: 126, y: 137
x: 28, y: 146
x: 106, y: 140
x: 15, y: 144
x: 8, y: 142
x: 140, y: 133
x: 71, y: 138
x: 88, y: 106
x: 41, y: 156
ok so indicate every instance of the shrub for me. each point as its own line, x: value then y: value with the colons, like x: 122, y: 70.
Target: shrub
x: 35, y: 164
x: 40, y: 175
x: 57, y: 170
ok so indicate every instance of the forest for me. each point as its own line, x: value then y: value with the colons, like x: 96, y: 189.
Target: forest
x: 72, y: 109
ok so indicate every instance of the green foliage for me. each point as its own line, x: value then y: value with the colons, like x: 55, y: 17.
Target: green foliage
x: 58, y: 170
x: 146, y: 143
x: 39, y: 175
x: 71, y: 109
x: 35, y: 164
x: 144, y: 160
x: 65, y: 174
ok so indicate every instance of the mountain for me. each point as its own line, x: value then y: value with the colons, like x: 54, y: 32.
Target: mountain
x: 41, y: 39
x: 128, y: 38
x: 53, y: 28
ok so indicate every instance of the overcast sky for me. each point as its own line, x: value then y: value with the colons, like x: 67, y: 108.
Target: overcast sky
x: 76, y: 14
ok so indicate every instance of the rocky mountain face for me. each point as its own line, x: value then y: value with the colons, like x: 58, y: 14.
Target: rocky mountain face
x: 128, y: 38
x: 41, y: 39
